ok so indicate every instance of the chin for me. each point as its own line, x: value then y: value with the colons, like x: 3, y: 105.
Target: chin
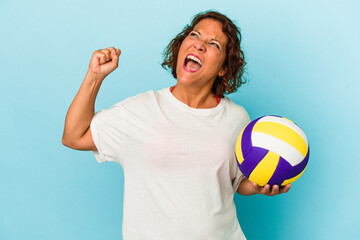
x: 185, y: 82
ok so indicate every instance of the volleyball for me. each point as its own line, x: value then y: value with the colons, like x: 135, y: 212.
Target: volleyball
x: 272, y: 150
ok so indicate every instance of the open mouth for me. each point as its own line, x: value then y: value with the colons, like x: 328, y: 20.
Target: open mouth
x: 192, y: 63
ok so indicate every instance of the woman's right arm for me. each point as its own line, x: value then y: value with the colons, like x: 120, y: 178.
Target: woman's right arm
x: 77, y: 133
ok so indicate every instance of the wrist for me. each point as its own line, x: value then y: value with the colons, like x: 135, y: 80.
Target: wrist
x: 94, y: 77
x: 91, y: 84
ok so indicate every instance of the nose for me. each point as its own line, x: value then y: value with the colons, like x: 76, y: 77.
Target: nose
x: 200, y: 45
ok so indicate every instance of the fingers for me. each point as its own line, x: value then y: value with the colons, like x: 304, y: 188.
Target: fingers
x: 118, y: 52
x: 115, y: 51
x: 266, y: 189
x: 104, y: 61
x: 100, y: 55
x: 271, y: 191
x: 256, y: 187
x: 286, y: 188
x: 107, y: 55
x: 274, y: 190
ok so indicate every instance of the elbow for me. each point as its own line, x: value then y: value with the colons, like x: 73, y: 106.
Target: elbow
x: 66, y: 142
x: 83, y: 143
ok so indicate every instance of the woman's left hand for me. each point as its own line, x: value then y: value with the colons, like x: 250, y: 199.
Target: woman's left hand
x: 270, y: 191
x: 248, y: 188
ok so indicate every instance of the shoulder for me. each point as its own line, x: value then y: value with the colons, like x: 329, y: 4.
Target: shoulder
x: 145, y: 97
x: 143, y: 103
x: 235, y: 108
x: 236, y: 111
x: 150, y: 95
x: 135, y: 103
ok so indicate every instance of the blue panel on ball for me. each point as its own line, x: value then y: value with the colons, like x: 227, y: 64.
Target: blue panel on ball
x: 297, y: 169
x: 252, y: 159
x: 281, y: 172
x: 246, y: 143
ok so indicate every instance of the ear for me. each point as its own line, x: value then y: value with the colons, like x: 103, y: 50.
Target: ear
x: 222, y: 72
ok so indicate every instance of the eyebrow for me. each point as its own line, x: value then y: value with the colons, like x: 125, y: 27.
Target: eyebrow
x: 213, y: 39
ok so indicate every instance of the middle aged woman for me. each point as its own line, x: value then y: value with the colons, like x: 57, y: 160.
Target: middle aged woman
x: 176, y: 145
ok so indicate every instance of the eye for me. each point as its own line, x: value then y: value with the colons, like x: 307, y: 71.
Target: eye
x: 215, y: 45
x: 193, y: 34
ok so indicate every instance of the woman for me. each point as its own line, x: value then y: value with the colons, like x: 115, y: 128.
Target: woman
x: 176, y: 145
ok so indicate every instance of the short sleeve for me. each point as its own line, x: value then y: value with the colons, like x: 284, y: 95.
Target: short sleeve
x: 237, y: 175
x: 107, y: 131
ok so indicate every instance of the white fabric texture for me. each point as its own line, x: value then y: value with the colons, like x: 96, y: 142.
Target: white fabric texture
x: 179, y: 166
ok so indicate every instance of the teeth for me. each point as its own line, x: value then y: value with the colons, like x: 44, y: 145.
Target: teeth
x: 194, y: 58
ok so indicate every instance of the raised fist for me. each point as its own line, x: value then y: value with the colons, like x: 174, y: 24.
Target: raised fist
x: 104, y: 61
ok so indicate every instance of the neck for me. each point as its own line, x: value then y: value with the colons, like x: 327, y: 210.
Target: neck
x: 195, y: 98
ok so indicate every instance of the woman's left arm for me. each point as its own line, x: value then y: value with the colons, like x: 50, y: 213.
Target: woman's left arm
x: 248, y: 188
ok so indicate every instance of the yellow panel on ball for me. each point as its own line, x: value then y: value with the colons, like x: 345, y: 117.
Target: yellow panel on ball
x: 239, y: 154
x: 265, y: 169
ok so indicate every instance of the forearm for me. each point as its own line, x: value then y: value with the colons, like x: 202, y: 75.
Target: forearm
x: 81, y: 110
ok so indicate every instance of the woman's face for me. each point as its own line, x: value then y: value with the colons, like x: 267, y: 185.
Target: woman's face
x: 202, y: 54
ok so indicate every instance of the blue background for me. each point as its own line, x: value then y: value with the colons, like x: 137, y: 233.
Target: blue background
x: 302, y: 57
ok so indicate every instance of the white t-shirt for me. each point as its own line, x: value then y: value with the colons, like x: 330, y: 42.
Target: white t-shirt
x: 179, y: 167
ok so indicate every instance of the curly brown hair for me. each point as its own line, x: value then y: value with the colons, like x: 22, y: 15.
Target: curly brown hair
x: 234, y: 62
